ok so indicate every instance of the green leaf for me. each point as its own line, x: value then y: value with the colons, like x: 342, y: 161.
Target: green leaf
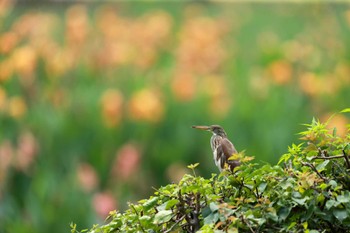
x: 334, y: 132
x: 284, y: 158
x: 287, y: 184
x: 262, y: 187
x: 344, y: 198
x: 213, y: 207
x: 145, y: 218
x: 345, y: 110
x: 283, y: 213
x: 323, y: 186
x: 309, y: 212
x: 301, y: 201
x: 291, y: 225
x: 171, y: 203
x: 331, y: 203
x: 163, y: 216
x: 340, y: 214
x: 333, y: 183
x: 211, y: 218
x: 193, y: 166
x: 314, y: 231
x: 149, y: 204
x: 206, y: 228
x: 167, y: 205
x: 273, y: 216
x: 322, y: 165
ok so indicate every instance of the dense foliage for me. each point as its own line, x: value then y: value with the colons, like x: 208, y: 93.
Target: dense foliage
x: 307, y: 192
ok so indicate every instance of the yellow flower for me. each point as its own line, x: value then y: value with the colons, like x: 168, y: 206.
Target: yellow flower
x: 146, y: 105
x: 112, y: 101
x: 24, y: 60
x: 3, y: 99
x: 17, y: 107
x: 309, y: 84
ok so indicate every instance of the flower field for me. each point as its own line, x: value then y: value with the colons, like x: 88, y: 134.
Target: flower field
x: 97, y: 100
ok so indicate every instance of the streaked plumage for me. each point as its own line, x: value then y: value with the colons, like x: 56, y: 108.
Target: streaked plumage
x: 222, y: 148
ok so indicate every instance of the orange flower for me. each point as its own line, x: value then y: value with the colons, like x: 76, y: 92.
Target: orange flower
x: 146, y: 105
x: 8, y: 41
x: 112, y: 101
x: 184, y: 86
x: 87, y: 177
x: 6, y: 69
x: 201, y: 50
x: 338, y: 121
x: 77, y: 25
x: 108, y: 22
x: 17, y: 107
x: 309, y: 84
x: 280, y: 71
x: 148, y: 34
x: 5, y: 7
x: 342, y: 71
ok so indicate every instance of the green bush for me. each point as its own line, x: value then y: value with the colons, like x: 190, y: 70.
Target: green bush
x: 307, y: 192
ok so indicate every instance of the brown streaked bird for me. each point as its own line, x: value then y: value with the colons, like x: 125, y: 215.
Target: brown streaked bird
x: 222, y: 148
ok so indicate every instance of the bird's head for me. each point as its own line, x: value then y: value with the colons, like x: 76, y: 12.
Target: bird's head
x: 215, y: 129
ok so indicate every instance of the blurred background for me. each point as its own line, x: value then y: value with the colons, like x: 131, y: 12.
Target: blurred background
x: 97, y: 100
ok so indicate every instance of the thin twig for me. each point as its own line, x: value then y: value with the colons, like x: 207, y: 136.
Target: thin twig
x: 327, y: 158
x: 132, y: 206
x: 315, y: 170
x: 247, y: 223
x: 257, y: 191
x: 344, y: 155
x: 175, y: 224
x: 346, y: 159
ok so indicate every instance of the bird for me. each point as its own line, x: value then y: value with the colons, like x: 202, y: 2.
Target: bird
x: 221, y: 146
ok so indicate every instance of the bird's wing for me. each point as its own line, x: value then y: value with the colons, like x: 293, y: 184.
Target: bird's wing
x: 225, y: 151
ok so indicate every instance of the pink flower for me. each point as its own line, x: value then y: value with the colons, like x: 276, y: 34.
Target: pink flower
x: 26, y: 151
x: 103, y: 203
x: 127, y: 162
x: 87, y: 177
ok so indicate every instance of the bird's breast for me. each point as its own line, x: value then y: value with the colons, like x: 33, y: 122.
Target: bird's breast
x: 215, y: 142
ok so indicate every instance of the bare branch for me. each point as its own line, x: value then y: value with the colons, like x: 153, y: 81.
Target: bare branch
x: 315, y: 170
x: 346, y: 159
x: 327, y: 158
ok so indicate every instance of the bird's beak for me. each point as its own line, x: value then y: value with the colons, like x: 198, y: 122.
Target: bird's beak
x: 201, y: 127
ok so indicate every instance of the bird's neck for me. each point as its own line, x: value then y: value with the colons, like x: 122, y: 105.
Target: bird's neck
x: 223, y: 135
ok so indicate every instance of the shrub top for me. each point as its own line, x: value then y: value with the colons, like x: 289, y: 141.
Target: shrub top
x: 308, y: 191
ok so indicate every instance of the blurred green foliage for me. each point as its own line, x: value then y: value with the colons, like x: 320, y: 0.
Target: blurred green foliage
x: 96, y: 101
